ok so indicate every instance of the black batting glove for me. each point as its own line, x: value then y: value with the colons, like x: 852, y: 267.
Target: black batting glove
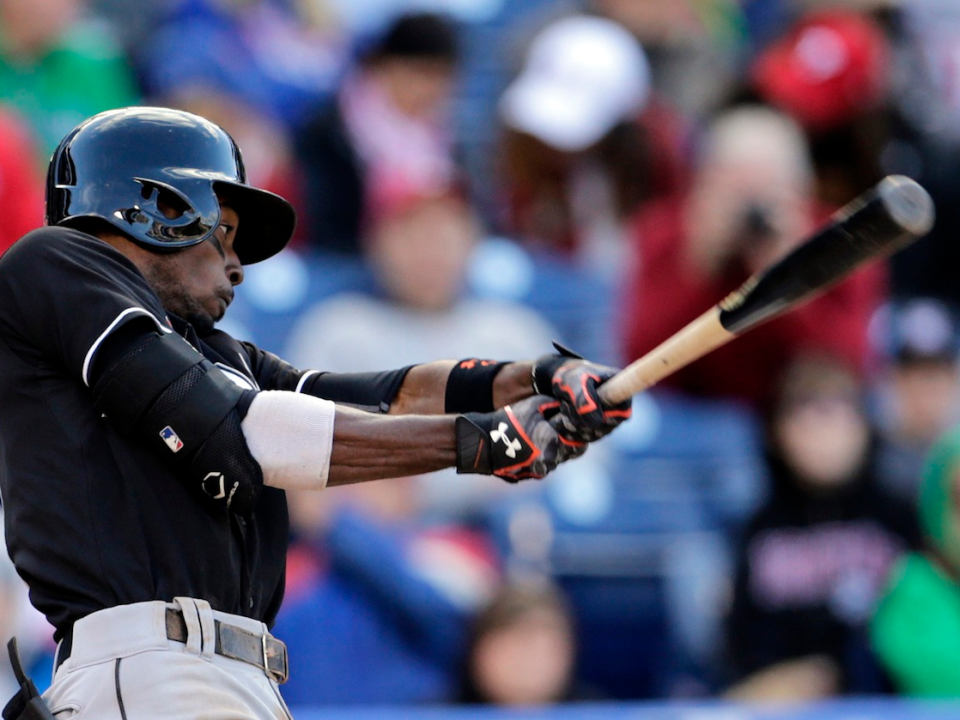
x: 583, y: 416
x: 516, y: 442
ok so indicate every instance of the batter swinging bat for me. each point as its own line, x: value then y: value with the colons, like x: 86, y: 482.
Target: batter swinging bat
x: 882, y: 220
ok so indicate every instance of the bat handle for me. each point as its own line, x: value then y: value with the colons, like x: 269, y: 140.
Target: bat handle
x: 694, y: 341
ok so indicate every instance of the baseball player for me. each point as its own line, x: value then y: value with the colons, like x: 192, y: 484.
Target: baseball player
x: 144, y: 454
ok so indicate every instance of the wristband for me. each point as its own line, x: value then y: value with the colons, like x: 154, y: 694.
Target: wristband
x: 470, y: 386
x: 473, y: 445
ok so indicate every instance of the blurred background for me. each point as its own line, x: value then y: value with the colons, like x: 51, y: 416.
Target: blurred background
x: 776, y: 531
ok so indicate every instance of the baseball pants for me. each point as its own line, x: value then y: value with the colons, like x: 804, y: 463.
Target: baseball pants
x: 122, y: 666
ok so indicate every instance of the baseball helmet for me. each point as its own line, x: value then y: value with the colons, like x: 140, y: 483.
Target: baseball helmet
x: 119, y: 164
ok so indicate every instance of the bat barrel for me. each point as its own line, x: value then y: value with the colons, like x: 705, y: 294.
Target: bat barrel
x: 895, y: 212
x: 891, y: 215
x: 907, y: 204
x: 882, y: 220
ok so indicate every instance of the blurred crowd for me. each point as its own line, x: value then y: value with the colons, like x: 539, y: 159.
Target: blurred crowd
x: 778, y: 520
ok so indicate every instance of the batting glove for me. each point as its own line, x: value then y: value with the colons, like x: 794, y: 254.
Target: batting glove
x: 573, y: 381
x: 516, y: 442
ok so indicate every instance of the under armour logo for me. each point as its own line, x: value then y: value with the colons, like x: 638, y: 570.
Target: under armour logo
x: 473, y: 362
x: 501, y: 434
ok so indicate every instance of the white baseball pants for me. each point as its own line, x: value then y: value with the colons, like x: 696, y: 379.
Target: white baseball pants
x: 123, y: 667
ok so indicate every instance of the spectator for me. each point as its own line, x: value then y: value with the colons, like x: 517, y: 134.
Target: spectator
x: 831, y: 72
x: 522, y: 648
x: 926, y: 144
x: 59, y: 66
x: 418, y: 243
x: 815, y: 557
x: 390, y: 113
x: 581, y: 144
x: 916, y: 629
x: 21, y: 185
x: 574, y: 159
x: 751, y: 201
x: 386, y: 597
x: 918, y: 392
x: 272, y: 56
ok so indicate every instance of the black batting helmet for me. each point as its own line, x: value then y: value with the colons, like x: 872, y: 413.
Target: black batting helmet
x: 116, y: 165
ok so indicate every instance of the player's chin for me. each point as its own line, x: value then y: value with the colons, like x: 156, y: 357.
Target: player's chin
x: 203, y: 320
x: 216, y: 306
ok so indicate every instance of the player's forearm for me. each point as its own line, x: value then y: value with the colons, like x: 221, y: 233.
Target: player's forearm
x: 424, y: 389
x: 514, y: 382
x: 371, y: 447
x: 303, y: 442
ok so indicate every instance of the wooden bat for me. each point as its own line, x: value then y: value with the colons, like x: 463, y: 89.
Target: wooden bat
x: 884, y: 219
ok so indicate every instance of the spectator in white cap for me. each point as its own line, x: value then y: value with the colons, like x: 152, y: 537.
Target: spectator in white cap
x: 918, y: 393
x: 582, y: 76
x: 576, y: 152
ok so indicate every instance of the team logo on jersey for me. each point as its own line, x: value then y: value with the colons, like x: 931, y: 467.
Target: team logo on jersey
x: 172, y: 440
x: 214, y: 485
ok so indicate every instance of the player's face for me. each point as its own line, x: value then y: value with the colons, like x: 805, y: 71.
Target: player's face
x: 197, y: 283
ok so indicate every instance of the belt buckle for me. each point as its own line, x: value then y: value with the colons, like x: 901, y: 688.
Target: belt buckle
x: 263, y: 650
x: 283, y: 673
x: 254, y: 648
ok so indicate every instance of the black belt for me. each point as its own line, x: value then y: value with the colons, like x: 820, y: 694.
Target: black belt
x: 262, y: 650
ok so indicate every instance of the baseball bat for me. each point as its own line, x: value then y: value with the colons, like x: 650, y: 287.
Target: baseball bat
x: 884, y: 219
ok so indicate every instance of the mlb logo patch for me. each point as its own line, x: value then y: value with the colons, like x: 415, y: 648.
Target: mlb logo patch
x: 171, y: 439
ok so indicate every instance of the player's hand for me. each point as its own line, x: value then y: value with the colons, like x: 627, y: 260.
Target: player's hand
x: 516, y: 442
x: 583, y: 416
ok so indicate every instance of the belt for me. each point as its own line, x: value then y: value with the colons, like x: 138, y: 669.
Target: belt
x: 262, y: 650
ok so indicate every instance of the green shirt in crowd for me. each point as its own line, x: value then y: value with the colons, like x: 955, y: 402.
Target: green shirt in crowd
x: 916, y: 629
x: 84, y: 73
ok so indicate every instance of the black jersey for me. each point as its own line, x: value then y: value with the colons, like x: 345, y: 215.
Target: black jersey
x: 94, y: 518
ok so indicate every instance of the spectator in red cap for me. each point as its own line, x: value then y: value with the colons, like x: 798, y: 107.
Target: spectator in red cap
x: 830, y: 71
